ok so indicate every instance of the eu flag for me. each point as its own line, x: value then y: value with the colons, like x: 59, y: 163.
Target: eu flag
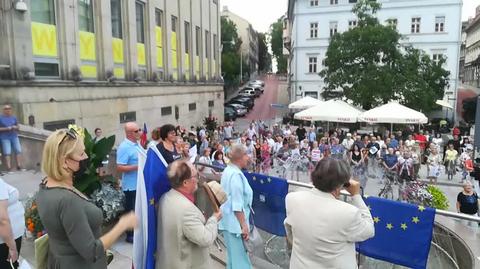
x: 152, y: 183
x: 268, y: 202
x: 403, y: 233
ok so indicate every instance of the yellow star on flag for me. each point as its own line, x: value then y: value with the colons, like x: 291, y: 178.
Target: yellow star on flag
x: 421, y: 208
x: 261, y: 181
x: 415, y: 220
x: 152, y: 201
x: 254, y: 178
x: 389, y: 226
x: 376, y: 219
x: 269, y: 180
x: 404, y: 226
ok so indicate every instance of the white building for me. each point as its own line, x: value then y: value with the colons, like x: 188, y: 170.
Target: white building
x: 249, y: 39
x: 431, y: 25
x: 472, y: 51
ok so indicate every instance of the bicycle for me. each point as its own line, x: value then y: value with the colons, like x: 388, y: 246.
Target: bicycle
x: 387, y: 190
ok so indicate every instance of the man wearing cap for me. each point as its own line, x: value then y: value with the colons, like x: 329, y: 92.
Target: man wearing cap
x: 347, y: 142
x: 184, y: 237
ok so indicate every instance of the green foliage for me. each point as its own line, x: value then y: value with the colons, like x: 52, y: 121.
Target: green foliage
x: 231, y: 44
x: 97, y: 153
x: 276, y: 34
x: 210, y: 123
x: 369, y: 66
x: 264, y: 57
x: 440, y: 200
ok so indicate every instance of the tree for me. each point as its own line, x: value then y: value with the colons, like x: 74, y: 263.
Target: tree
x: 369, y: 66
x: 276, y: 33
x: 264, y: 57
x: 231, y: 44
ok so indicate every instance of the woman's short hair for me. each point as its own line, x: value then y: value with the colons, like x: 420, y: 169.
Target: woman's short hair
x: 217, y: 153
x: 237, y: 152
x: 165, y: 129
x: 58, y: 146
x: 178, y: 172
x: 330, y: 174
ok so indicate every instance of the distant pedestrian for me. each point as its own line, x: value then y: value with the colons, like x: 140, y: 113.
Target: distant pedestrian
x: 98, y: 135
x: 127, y: 164
x: 9, y: 138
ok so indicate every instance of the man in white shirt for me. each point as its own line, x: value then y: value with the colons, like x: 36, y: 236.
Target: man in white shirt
x: 228, y: 131
x: 251, y: 131
x: 347, y: 142
x: 287, y: 132
x: 270, y: 140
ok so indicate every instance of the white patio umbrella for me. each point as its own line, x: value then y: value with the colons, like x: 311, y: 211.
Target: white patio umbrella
x: 330, y: 111
x: 393, y: 112
x: 304, y: 103
x: 444, y: 103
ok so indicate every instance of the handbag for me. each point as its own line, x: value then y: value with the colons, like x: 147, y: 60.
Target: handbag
x: 41, y: 251
x: 254, y: 238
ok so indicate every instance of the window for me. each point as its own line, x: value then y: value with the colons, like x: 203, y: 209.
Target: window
x: 333, y: 28
x: 174, y: 24
x: 46, y: 69
x: 43, y: 11
x: 313, y: 3
x: 312, y: 65
x: 59, y: 124
x: 192, y: 106
x: 187, y: 37
x: 158, y: 17
x: 392, y: 23
x: 166, y: 110
x: 207, y: 44
x: 440, y: 24
x: 314, y: 30
x: 215, y: 41
x: 352, y: 24
x: 139, y: 12
x: 312, y: 94
x: 415, y: 25
x: 333, y: 2
x: 85, y: 15
x: 210, y: 103
x: 116, y: 13
x: 437, y: 56
x: 198, y: 40
x: 352, y: 1
x: 128, y: 116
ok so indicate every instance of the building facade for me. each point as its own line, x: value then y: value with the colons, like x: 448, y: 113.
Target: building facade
x: 99, y: 63
x: 472, y: 51
x: 249, y: 38
x: 433, y: 26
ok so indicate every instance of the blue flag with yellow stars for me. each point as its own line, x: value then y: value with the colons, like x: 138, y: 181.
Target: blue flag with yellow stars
x: 268, y: 202
x: 403, y: 233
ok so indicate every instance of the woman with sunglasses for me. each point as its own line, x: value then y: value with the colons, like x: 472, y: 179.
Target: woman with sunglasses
x: 73, y: 221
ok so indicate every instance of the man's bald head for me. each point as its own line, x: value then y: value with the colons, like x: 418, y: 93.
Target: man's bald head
x: 132, y: 132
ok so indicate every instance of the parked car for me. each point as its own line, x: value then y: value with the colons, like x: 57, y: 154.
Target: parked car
x: 248, y: 93
x: 256, y: 93
x: 257, y: 88
x: 229, y: 114
x: 241, y: 110
x: 261, y: 82
x: 244, y: 101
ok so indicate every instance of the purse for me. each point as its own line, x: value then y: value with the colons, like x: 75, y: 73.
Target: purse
x: 41, y: 251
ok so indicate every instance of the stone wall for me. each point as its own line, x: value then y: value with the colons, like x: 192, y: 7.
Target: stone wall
x: 97, y: 104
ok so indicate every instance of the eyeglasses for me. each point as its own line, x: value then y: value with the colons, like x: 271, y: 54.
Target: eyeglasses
x: 7, y: 108
x: 69, y: 133
x: 137, y: 131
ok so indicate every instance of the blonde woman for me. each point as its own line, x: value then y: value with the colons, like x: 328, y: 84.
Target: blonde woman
x: 73, y: 222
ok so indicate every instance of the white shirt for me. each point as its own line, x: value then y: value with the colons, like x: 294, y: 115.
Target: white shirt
x: 287, y: 132
x: 16, y: 211
x: 347, y: 143
x: 228, y: 131
x: 270, y: 142
x: 251, y: 132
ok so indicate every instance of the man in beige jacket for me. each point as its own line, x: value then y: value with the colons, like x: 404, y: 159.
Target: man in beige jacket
x: 184, y: 236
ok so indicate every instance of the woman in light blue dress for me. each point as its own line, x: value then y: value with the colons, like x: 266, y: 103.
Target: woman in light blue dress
x: 236, y: 211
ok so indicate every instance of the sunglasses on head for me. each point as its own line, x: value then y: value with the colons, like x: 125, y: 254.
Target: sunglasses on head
x: 69, y: 133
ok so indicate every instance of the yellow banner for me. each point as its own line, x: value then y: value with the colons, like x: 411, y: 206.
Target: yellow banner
x: 44, y: 39
x: 197, y: 67
x: 89, y: 71
x: 214, y: 67
x: 87, y: 46
x: 160, y: 57
x: 158, y: 36
x: 141, y: 54
x: 117, y: 48
x: 187, y: 61
x: 119, y: 72
x: 173, y: 41
x: 205, y: 69
x: 174, y: 59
